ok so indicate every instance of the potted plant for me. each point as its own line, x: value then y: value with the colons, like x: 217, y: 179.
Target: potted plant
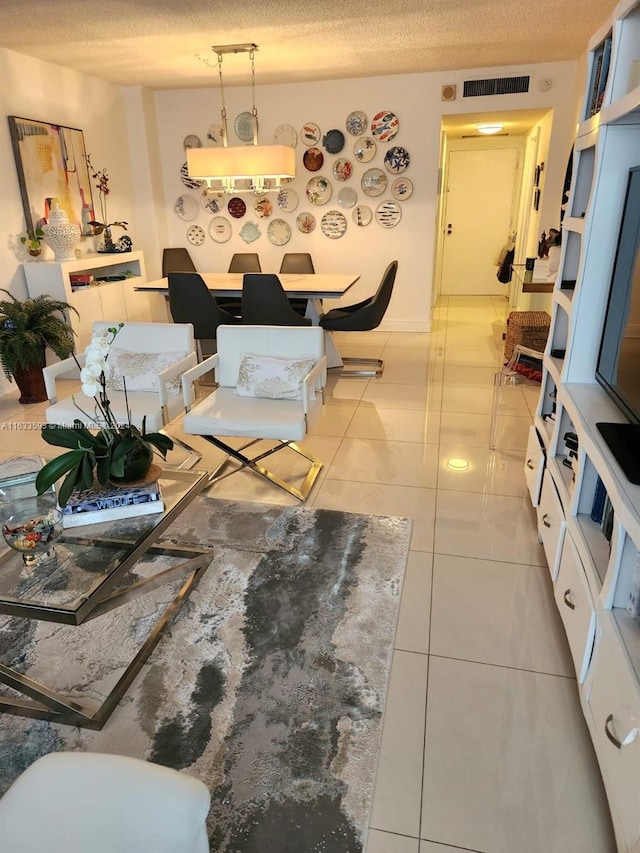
x: 32, y: 241
x: 26, y: 330
x: 101, y: 177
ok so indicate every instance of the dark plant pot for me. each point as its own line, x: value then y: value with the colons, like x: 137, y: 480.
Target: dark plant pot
x: 30, y: 382
x: 137, y: 463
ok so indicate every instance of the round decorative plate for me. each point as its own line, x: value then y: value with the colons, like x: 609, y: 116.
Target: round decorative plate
x: 215, y: 134
x: 319, y: 190
x: 313, y: 159
x: 374, y: 182
x: 402, y: 189
x: 263, y: 207
x: 243, y: 126
x: 236, y: 207
x: 279, y: 232
x: 195, y: 235
x: 388, y: 213
x: 249, y: 232
x: 356, y: 123
x: 333, y: 141
x: 347, y: 197
x: 220, y: 229
x: 190, y: 183
x: 285, y: 135
x: 305, y: 222
x: 362, y: 215
x: 192, y: 141
x: 333, y: 224
x: 287, y: 199
x: 211, y: 203
x: 364, y: 149
x: 186, y: 207
x: 342, y: 169
x: 396, y: 160
x: 384, y: 125
x: 310, y: 133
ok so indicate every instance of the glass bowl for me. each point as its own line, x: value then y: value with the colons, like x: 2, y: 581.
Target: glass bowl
x: 31, y: 526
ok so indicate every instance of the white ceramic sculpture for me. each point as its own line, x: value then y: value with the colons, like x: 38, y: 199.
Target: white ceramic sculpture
x: 61, y: 235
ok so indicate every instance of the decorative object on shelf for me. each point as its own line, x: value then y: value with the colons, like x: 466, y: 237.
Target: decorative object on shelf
x: 186, y: 207
x: 310, y: 133
x: 333, y: 224
x: 32, y: 241
x: 347, y: 197
x: 356, y: 123
x: 101, y: 177
x: 116, y: 453
x: 215, y: 134
x: 50, y: 162
x: 396, y: 160
x: 285, y: 135
x: 342, y: 169
x: 384, y: 125
x: 26, y: 330
x: 373, y: 182
x: 263, y: 208
x: 250, y: 232
x: 287, y: 199
x: 31, y: 526
x: 279, y: 232
x: 388, y: 213
x: 237, y: 207
x: 536, y: 199
x: 318, y: 190
x: 260, y: 167
x: 210, y: 203
x: 333, y: 141
x: 402, y: 189
x: 125, y: 243
x: 362, y: 215
x: 195, y: 235
x: 364, y: 149
x: 61, y: 235
x: 192, y: 141
x: 305, y: 222
x: 313, y: 159
x: 189, y: 182
x: 220, y: 229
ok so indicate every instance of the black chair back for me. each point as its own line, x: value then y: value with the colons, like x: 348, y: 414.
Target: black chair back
x: 245, y: 262
x: 264, y: 302
x: 190, y: 301
x: 365, y: 315
x: 297, y: 262
x: 176, y: 260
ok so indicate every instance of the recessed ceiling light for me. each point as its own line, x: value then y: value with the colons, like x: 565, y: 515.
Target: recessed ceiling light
x: 458, y: 464
x: 488, y: 129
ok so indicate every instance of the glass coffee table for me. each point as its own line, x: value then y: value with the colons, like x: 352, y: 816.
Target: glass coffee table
x: 97, y: 570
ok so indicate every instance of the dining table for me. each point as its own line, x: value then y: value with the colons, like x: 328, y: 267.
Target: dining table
x: 310, y: 286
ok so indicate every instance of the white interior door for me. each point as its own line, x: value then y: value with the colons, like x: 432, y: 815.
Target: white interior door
x: 477, y: 219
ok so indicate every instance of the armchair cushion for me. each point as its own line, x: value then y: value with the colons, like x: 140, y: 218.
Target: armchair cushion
x: 140, y: 370
x: 271, y: 377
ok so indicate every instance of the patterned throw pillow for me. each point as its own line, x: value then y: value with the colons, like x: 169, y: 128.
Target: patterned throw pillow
x: 274, y: 378
x: 140, y: 369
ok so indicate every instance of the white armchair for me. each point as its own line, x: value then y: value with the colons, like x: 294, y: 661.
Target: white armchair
x: 270, y: 381
x: 73, y: 802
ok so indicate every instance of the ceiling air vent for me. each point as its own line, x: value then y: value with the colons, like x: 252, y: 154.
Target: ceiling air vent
x: 495, y: 86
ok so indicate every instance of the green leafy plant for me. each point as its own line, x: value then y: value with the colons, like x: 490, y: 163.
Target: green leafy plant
x: 26, y: 328
x: 32, y: 241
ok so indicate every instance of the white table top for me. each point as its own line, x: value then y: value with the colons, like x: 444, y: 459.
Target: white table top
x: 307, y: 286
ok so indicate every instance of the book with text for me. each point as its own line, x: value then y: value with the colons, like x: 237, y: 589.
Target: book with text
x: 93, y: 506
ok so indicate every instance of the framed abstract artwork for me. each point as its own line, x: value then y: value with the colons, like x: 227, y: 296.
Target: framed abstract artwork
x: 51, y: 164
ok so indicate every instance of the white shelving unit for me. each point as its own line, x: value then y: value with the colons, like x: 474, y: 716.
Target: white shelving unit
x: 592, y: 576
x: 115, y: 301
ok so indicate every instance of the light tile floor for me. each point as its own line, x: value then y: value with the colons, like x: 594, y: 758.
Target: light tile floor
x: 484, y: 747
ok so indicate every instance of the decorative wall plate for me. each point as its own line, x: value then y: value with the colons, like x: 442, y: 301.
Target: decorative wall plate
x: 396, y: 160
x: 263, y: 207
x: 279, y: 232
x: 243, y: 126
x: 313, y: 159
x: 374, y: 182
x: 287, y: 199
x: 305, y: 222
x: 190, y: 183
x: 362, y: 215
x: 333, y: 224
x: 236, y: 207
x: 215, y: 135
x: 364, y: 149
x: 356, y: 123
x: 192, y: 141
x: 310, y: 133
x: 319, y: 190
x: 333, y: 141
x: 211, y: 203
x: 186, y: 207
x: 388, y: 213
x: 249, y: 232
x: 285, y: 135
x: 402, y: 189
x: 347, y: 197
x: 195, y: 235
x: 384, y: 125
x: 342, y: 169
x: 220, y: 229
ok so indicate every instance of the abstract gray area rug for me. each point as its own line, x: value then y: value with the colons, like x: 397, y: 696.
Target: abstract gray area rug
x: 269, y: 685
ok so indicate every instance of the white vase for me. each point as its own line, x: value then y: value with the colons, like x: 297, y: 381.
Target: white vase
x: 61, y: 235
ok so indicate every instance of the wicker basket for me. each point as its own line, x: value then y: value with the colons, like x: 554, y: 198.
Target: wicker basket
x: 529, y: 328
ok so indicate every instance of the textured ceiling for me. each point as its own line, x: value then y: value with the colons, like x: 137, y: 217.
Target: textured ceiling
x: 156, y: 43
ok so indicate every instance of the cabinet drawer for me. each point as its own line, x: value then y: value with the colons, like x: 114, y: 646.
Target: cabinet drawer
x: 534, y: 465
x: 614, y: 705
x: 576, y: 607
x: 551, y: 523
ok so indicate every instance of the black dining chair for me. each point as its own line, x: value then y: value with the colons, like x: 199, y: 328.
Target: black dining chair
x: 190, y: 301
x: 240, y: 262
x: 176, y: 260
x: 265, y: 303
x: 301, y: 263
x: 362, y: 317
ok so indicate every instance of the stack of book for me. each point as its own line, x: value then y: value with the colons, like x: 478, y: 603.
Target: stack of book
x: 602, y: 511
x: 93, y: 506
x: 78, y: 280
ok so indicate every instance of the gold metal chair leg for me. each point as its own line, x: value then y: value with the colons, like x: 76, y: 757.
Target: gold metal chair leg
x: 376, y: 370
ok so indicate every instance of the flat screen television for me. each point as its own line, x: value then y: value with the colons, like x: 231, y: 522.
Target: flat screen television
x: 618, y: 368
